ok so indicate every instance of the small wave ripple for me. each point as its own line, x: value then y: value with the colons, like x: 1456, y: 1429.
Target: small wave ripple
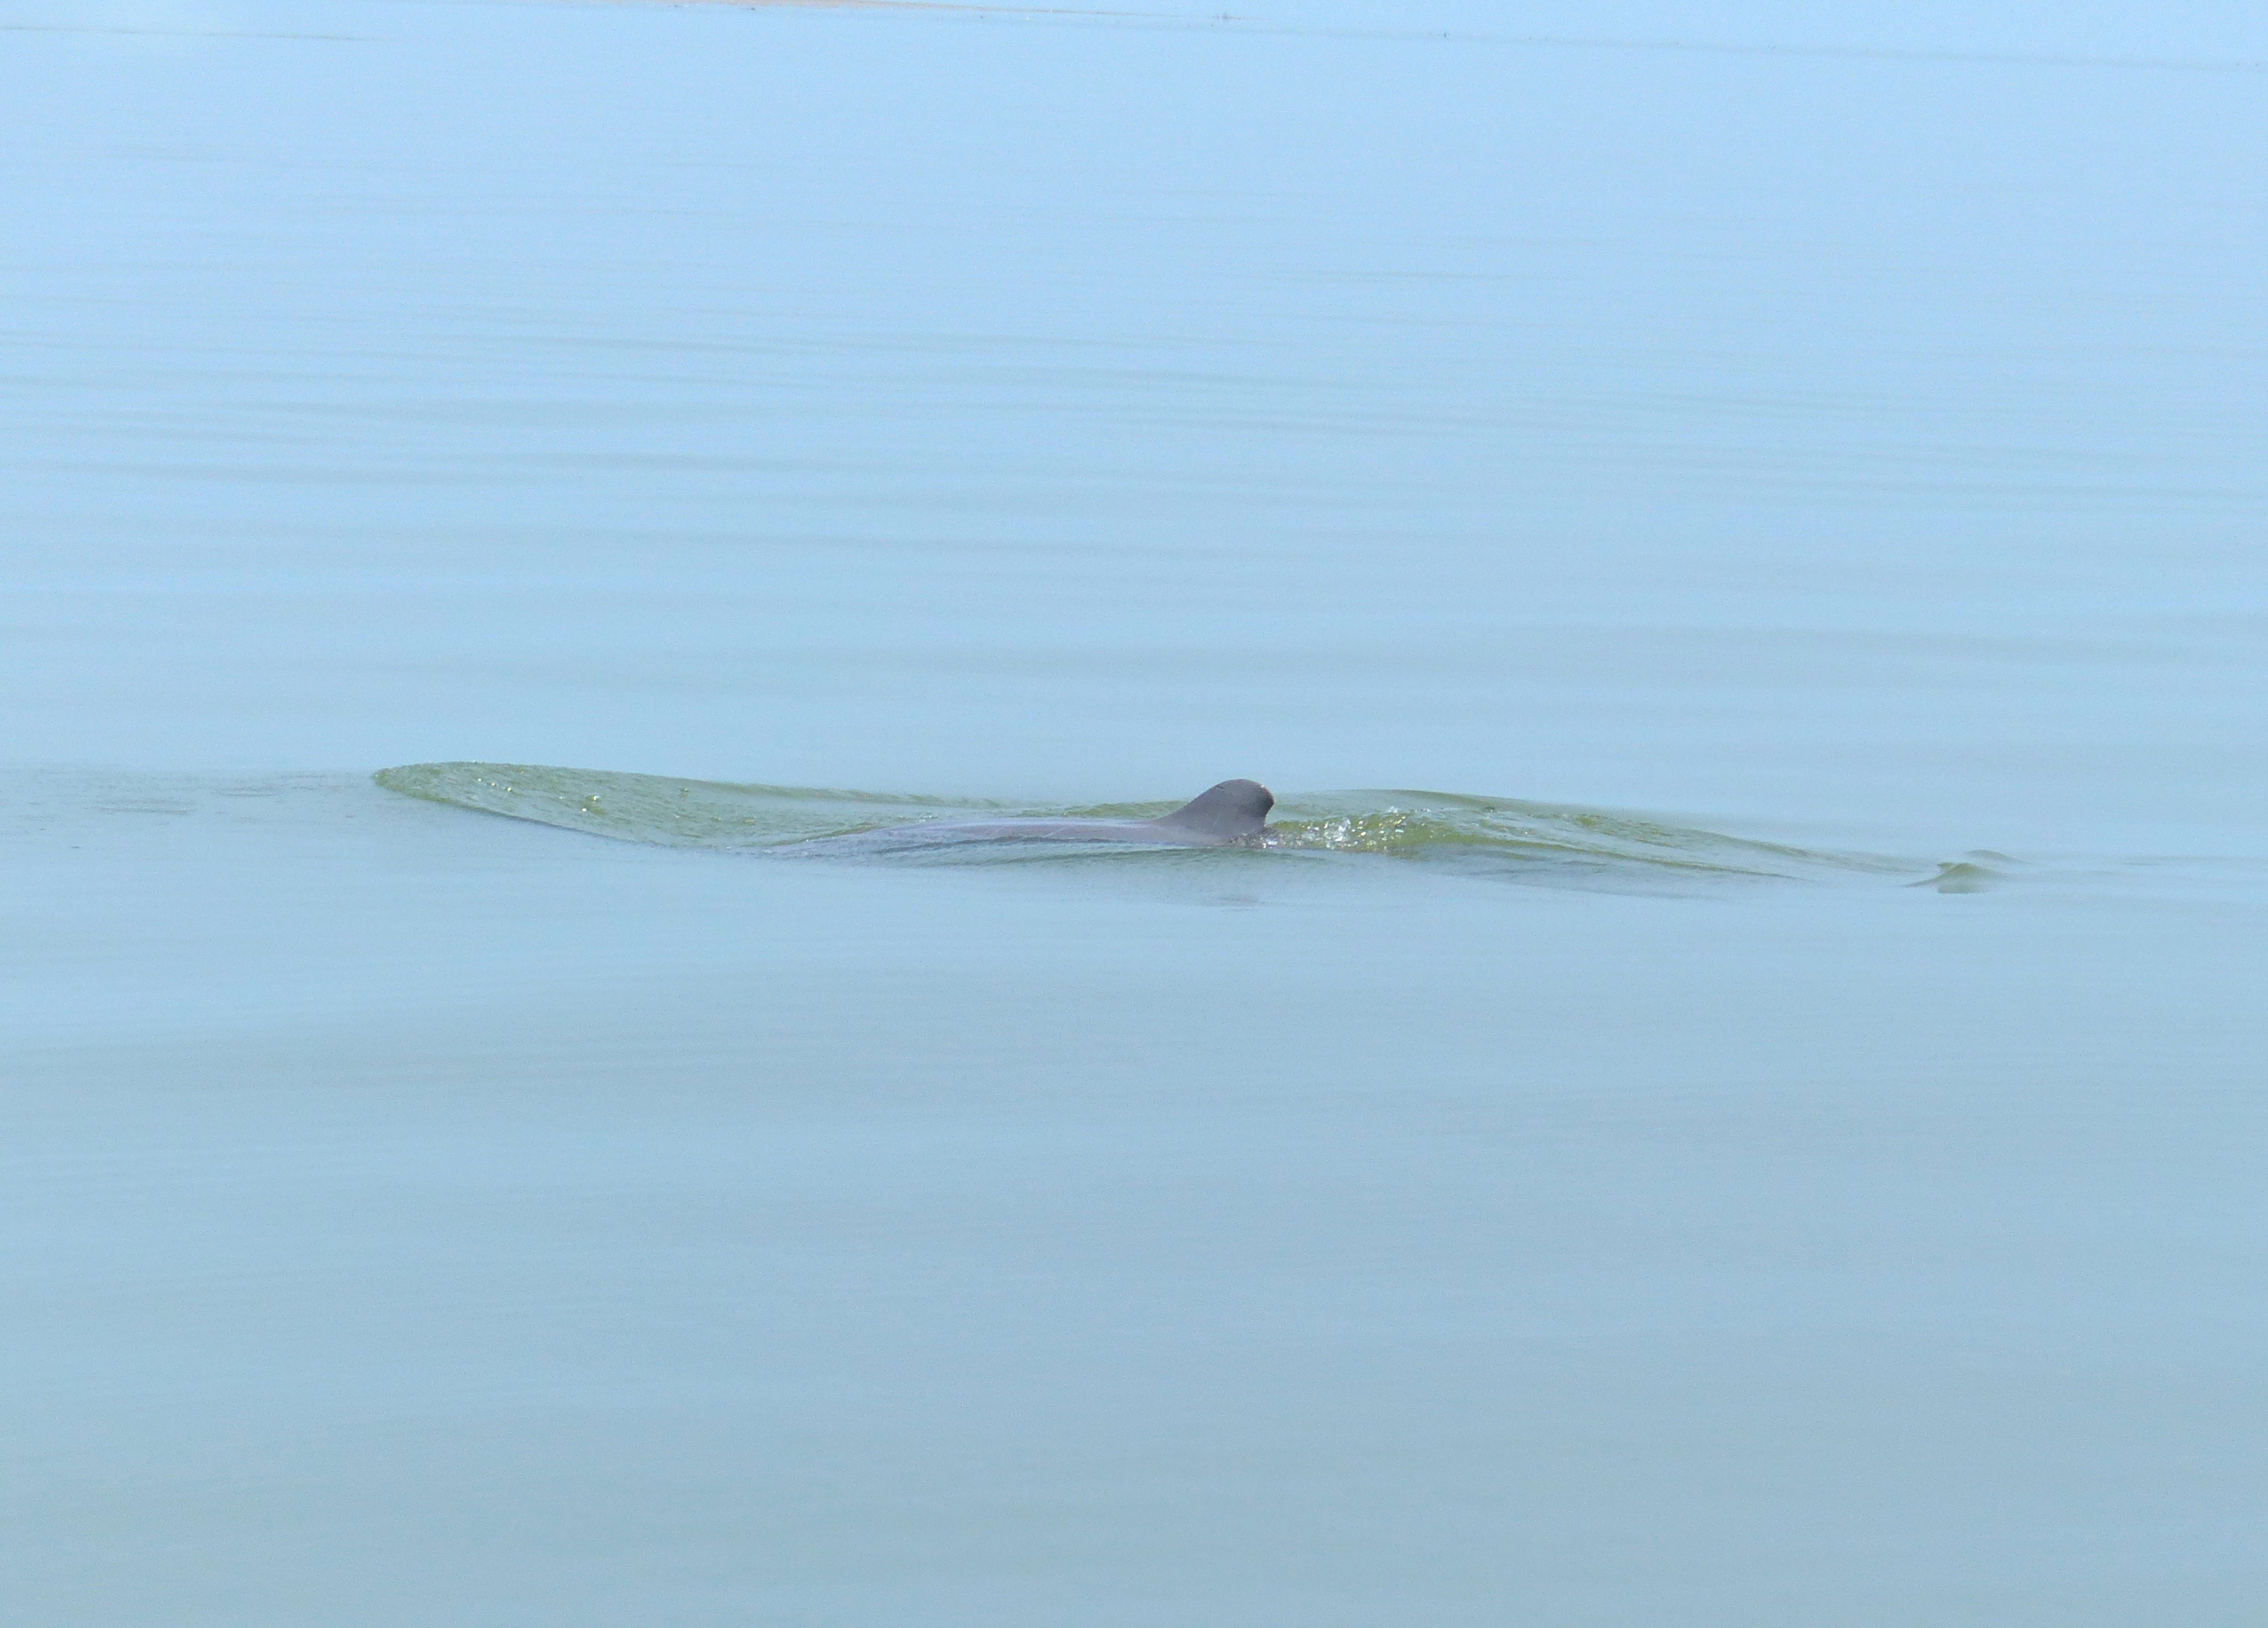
x: 1517, y: 840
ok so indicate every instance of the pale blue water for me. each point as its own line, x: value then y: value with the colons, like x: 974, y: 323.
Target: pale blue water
x: 1714, y: 473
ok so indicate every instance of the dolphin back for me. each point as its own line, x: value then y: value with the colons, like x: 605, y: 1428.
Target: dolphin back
x: 1232, y: 809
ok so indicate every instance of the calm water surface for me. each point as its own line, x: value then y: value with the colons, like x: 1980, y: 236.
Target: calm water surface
x: 1756, y: 1122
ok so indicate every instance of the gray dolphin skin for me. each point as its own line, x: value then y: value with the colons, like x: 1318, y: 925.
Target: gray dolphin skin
x: 1228, y: 813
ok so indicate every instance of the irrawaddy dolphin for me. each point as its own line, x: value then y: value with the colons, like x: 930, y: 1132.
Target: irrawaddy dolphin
x: 1229, y: 812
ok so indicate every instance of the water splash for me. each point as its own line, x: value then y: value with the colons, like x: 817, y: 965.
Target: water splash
x: 1515, y: 840
x: 1973, y: 873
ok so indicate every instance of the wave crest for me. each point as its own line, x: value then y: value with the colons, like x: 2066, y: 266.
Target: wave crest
x: 1516, y: 839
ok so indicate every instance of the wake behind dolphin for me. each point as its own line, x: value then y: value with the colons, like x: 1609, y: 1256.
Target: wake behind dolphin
x: 1507, y: 839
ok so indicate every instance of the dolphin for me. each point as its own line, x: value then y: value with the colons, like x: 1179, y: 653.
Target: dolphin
x: 1227, y: 813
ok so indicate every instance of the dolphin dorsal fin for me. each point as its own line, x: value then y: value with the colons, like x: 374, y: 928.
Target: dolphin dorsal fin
x: 1232, y: 809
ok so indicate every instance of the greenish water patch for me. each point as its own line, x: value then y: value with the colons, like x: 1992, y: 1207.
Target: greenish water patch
x: 655, y: 808
x: 1507, y: 837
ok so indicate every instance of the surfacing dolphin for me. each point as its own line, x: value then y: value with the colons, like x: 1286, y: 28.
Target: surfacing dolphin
x: 1229, y: 812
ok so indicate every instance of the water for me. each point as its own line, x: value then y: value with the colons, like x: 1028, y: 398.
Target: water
x: 1771, y: 1136
x: 1503, y: 837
